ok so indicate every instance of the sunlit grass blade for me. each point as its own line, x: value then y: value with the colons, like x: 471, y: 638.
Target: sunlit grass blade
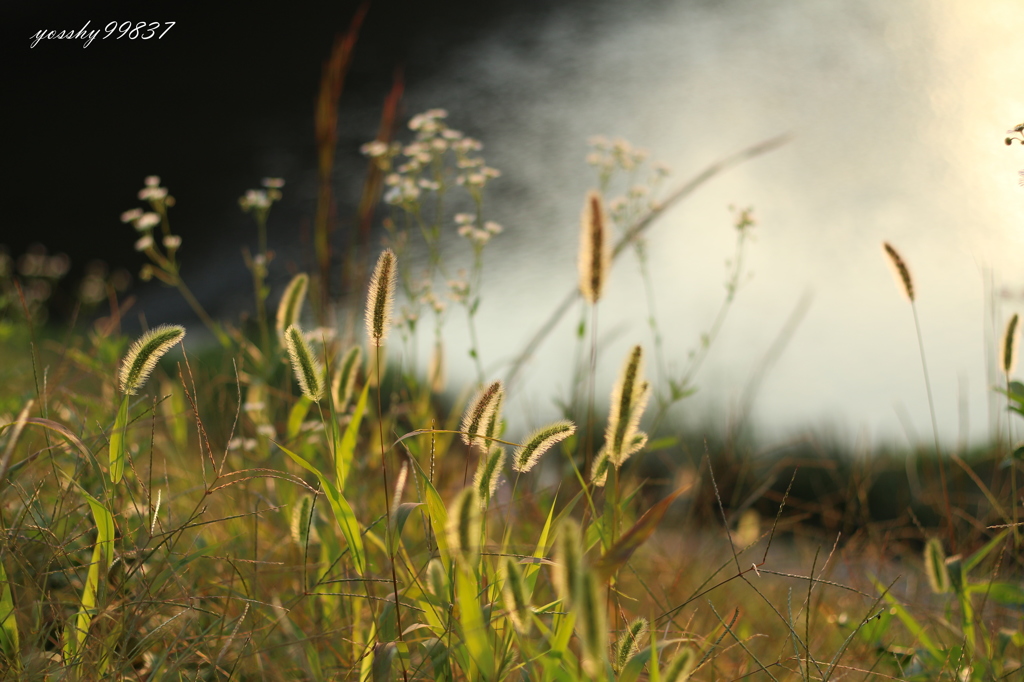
x: 347, y: 448
x: 619, y: 553
x: 343, y: 513
x: 117, y: 445
x: 102, y: 556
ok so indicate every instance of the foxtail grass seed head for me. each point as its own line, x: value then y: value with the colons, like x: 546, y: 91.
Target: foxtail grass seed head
x: 599, y: 469
x: 493, y: 426
x: 935, y: 566
x: 308, y: 371
x: 479, y: 415
x: 515, y: 595
x: 568, y: 566
x: 488, y: 471
x: 143, y: 355
x: 381, y: 297
x: 900, y: 271
x: 345, y: 378
x: 302, y: 527
x: 681, y: 666
x: 540, y: 441
x: 290, y: 307
x: 1008, y: 350
x: 628, y: 644
x: 591, y: 623
x: 464, y: 526
x: 595, y: 248
x: 629, y: 397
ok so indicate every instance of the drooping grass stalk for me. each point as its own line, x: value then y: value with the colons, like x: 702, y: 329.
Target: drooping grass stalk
x: 1008, y: 359
x: 138, y: 364
x: 379, y: 304
x: 902, y: 273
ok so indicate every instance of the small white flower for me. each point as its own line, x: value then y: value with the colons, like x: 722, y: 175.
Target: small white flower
x: 451, y: 134
x: 392, y: 179
x: 374, y: 149
x: 414, y: 149
x: 254, y: 407
x: 153, y: 193
x: 255, y: 198
x: 490, y: 172
x: 493, y: 227
x: 476, y: 179
x: 147, y: 221
x: 469, y: 163
x: 466, y: 231
x: 172, y: 242
x: 273, y: 183
x: 267, y: 430
x: 464, y: 218
x: 393, y: 195
x: 429, y: 185
x: 152, y: 181
x: 144, y: 243
x: 129, y: 216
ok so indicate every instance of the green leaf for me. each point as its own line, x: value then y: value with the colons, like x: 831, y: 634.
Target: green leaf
x: 346, y: 451
x: 343, y: 513
x: 977, y: 557
x: 475, y: 632
x: 117, y: 436
x: 1007, y: 594
x: 662, y: 443
x: 297, y: 416
x: 910, y: 622
x: 102, y: 555
x: 437, y: 513
x: 619, y: 553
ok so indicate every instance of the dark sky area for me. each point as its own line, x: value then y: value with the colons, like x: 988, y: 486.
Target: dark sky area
x: 222, y: 100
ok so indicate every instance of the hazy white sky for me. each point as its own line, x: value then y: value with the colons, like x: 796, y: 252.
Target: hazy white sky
x: 898, y: 112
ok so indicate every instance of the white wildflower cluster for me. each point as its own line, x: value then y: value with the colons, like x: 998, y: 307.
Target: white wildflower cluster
x: 458, y: 289
x: 146, y: 222
x: 477, y: 236
x: 260, y: 200
x: 614, y: 157
x: 428, y: 164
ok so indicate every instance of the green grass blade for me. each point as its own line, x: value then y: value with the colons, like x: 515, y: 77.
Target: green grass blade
x: 437, y: 513
x: 296, y: 416
x: 343, y: 513
x: 471, y: 619
x: 619, y: 553
x: 976, y: 558
x: 102, y: 555
x: 346, y: 451
x: 117, y: 442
